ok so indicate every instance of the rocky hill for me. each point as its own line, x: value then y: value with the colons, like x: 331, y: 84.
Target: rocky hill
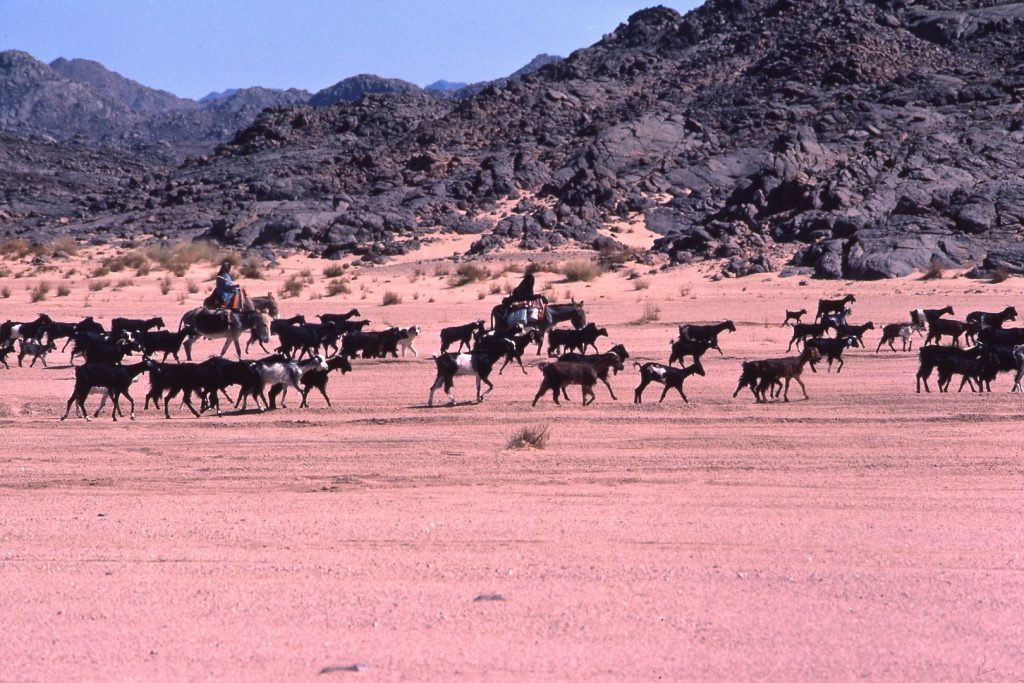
x: 354, y: 87
x: 78, y: 97
x: 872, y: 137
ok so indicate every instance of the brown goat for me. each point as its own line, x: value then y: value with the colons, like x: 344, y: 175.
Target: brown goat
x: 565, y: 373
x: 789, y: 368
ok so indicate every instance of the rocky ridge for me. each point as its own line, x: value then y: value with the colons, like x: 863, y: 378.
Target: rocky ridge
x: 870, y: 137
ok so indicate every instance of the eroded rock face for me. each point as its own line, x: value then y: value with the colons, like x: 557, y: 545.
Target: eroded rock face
x: 875, y: 136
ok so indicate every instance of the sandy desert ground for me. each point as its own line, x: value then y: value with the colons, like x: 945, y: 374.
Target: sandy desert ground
x: 867, y: 533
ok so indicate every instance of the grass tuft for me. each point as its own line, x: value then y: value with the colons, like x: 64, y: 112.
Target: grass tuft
x: 580, y: 271
x: 535, y: 437
x: 39, y: 292
x: 651, y: 314
x: 467, y: 273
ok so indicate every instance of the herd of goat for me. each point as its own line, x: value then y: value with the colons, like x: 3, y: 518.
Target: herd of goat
x: 308, y: 353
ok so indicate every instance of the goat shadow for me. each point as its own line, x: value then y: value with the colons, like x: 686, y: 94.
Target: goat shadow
x: 457, y: 404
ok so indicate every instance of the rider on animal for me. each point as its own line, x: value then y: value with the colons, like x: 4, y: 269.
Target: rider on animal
x: 225, y: 290
x: 523, y: 292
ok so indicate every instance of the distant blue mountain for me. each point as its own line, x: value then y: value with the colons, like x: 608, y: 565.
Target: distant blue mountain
x: 219, y: 95
x: 445, y: 85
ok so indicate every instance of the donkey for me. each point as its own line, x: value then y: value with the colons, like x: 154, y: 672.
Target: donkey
x: 225, y: 325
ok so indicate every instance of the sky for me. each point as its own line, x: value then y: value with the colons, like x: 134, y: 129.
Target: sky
x: 193, y: 47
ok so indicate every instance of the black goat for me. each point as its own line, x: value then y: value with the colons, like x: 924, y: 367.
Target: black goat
x: 941, y: 327
x: 166, y: 342
x: 794, y: 316
x: 339, y: 318
x: 947, y: 359
x: 751, y: 372
x: 976, y: 365
x: 575, y: 340
x: 317, y: 379
x: 136, y: 325
x: 700, y: 333
x: 855, y: 331
x: 992, y: 319
x: 826, y: 306
x: 830, y: 349
x: 38, y: 351
x: 923, y: 317
x: 304, y: 338
x: 681, y: 348
x: 463, y: 334
x: 804, y: 331
x: 115, y: 379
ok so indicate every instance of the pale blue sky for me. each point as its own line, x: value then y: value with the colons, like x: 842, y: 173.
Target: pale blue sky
x: 191, y: 47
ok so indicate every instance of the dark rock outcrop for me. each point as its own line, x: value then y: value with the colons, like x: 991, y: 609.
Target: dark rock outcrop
x: 868, y: 137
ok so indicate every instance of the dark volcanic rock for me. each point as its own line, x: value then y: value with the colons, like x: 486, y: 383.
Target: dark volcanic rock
x: 877, y: 136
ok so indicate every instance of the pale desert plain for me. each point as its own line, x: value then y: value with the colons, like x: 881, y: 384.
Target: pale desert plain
x: 868, y: 533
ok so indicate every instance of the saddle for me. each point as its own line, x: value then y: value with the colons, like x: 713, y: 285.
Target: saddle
x: 214, y: 302
x: 525, y: 312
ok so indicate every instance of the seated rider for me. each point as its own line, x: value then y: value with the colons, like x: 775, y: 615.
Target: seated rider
x: 225, y: 290
x: 522, y: 292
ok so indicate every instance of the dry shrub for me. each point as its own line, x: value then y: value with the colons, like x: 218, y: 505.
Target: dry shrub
x: 495, y: 288
x: 1000, y: 274
x: 391, y: 298
x: 467, y: 273
x: 541, y: 267
x: 64, y: 244
x: 292, y: 287
x: 641, y: 283
x: 933, y: 271
x: 63, y: 289
x: 165, y: 285
x: 684, y: 290
x: 143, y: 269
x: 5, y: 292
x: 580, y: 271
x: 252, y: 268
x: 178, y: 257
x: 100, y: 271
x: 192, y: 287
x: 135, y: 259
x: 481, y: 295
x: 15, y: 248
x: 336, y: 287
x: 334, y: 270
x: 442, y: 270
x: 307, y: 276
x: 614, y: 255
x: 535, y: 436
x: 39, y: 292
x: 651, y: 313
x: 97, y: 285
x: 6, y: 410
